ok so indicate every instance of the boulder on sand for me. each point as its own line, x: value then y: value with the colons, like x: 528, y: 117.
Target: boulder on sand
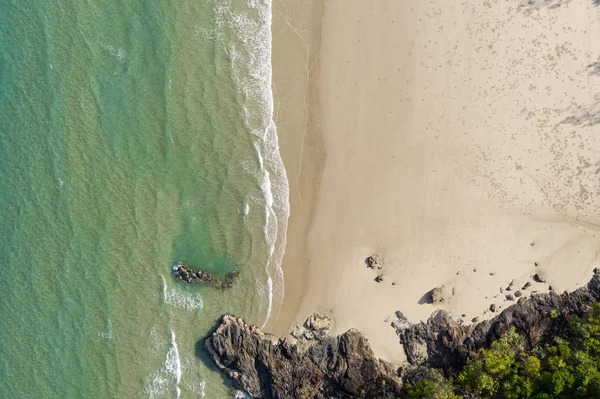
x: 437, y: 294
x: 374, y: 261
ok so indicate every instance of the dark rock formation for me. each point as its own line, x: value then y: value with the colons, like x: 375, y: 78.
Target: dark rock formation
x: 443, y: 343
x: 374, y: 261
x: 332, y: 367
x: 190, y: 275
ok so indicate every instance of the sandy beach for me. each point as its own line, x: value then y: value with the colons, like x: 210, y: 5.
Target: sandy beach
x: 460, y: 142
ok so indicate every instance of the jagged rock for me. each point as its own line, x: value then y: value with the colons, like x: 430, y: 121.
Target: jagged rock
x: 374, y: 261
x: 437, y: 294
x: 189, y: 275
x: 443, y: 343
x: 331, y: 367
x: 538, y: 277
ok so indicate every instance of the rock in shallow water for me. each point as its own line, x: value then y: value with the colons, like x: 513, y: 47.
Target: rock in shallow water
x: 189, y: 275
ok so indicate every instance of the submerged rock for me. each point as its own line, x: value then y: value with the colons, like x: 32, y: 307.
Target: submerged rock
x: 330, y: 367
x: 189, y: 275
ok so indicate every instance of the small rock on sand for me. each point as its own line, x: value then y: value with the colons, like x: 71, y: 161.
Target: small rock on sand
x: 527, y: 285
x: 492, y: 307
x: 475, y: 319
x: 510, y: 297
x: 374, y: 261
x: 538, y: 277
x: 437, y: 294
x: 518, y: 294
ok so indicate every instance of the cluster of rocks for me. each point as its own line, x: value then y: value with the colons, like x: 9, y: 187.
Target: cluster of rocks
x: 444, y: 343
x: 330, y: 367
x: 375, y: 262
x: 189, y: 275
x: 345, y: 366
x: 315, y: 328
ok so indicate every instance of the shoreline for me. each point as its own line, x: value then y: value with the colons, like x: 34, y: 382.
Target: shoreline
x: 296, y: 36
x: 457, y: 149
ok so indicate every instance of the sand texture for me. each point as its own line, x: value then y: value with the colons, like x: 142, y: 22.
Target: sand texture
x: 462, y: 145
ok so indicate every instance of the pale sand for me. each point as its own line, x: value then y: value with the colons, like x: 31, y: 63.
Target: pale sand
x: 455, y: 136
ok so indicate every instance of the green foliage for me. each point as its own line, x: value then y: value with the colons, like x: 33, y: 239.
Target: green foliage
x: 567, y: 368
x: 435, y: 386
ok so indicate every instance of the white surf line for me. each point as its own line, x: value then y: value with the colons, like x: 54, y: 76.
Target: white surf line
x: 308, y: 70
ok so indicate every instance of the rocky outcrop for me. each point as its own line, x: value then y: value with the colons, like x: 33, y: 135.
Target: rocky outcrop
x: 189, y: 275
x: 329, y: 367
x: 443, y: 343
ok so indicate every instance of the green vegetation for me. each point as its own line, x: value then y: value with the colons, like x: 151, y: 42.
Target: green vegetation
x: 569, y: 367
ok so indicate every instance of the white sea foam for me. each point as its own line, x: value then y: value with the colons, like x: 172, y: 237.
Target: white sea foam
x: 169, y: 376
x: 117, y: 52
x: 250, y: 57
x: 180, y: 300
x: 241, y: 395
x: 106, y: 335
x: 202, y: 386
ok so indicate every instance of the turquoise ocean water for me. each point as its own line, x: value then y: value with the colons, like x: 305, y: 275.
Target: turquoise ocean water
x: 133, y: 134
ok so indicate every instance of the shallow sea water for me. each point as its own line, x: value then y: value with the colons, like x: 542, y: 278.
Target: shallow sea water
x: 133, y: 135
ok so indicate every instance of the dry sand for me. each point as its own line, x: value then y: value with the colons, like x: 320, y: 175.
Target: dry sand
x: 462, y: 145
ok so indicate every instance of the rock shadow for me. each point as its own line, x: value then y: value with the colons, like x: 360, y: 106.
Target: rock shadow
x: 426, y: 298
